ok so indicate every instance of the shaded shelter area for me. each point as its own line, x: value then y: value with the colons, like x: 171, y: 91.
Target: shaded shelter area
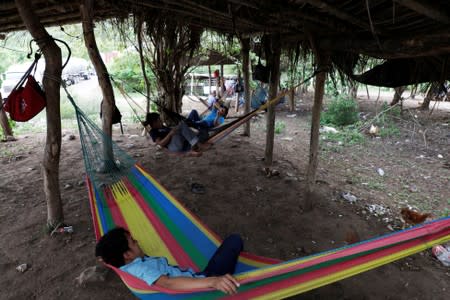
x: 381, y: 28
x: 412, y: 32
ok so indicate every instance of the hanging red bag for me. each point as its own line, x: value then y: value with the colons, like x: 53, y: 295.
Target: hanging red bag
x: 25, y: 102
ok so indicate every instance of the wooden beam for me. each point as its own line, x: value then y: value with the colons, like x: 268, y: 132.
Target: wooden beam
x: 340, y: 14
x: 87, y: 11
x: 427, y: 9
x: 273, y: 53
x: 245, y: 53
x: 322, y: 62
x: 52, y: 85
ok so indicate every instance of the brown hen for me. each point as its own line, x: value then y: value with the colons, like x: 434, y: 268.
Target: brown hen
x: 413, y: 218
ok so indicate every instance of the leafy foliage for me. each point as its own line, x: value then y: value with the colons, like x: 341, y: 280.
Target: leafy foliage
x: 341, y: 111
x: 279, y: 127
x: 127, y: 68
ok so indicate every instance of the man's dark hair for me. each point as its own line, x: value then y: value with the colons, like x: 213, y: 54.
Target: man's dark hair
x: 151, y: 118
x: 112, y: 246
x: 226, y: 110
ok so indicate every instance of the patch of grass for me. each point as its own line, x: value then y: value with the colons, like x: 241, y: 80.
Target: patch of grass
x: 279, y: 127
x: 346, y: 136
x: 376, y: 185
x: 386, y: 121
x: 445, y: 212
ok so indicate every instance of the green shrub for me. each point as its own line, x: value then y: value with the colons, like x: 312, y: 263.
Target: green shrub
x: 279, y: 127
x: 341, y: 111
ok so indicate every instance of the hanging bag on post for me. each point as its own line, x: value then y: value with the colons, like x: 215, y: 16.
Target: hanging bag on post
x: 27, y: 99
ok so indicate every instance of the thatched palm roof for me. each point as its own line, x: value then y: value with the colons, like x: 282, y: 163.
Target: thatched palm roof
x: 379, y: 28
x: 388, y: 29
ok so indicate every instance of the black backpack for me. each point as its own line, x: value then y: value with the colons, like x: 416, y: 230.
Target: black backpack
x: 261, y: 72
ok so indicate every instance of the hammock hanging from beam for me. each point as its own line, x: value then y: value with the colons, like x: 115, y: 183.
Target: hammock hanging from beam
x: 122, y: 193
x: 219, y: 132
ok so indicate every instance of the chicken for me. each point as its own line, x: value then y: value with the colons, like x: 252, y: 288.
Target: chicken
x: 374, y: 130
x: 413, y: 218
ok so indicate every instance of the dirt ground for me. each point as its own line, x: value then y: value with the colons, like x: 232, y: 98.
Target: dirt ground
x: 239, y: 197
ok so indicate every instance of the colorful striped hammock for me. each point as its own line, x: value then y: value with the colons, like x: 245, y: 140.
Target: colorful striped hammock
x: 121, y: 193
x: 164, y: 227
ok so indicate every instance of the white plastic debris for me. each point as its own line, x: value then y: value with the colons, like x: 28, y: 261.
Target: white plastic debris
x: 440, y: 156
x: 377, y: 210
x: 291, y: 115
x: 327, y: 129
x: 349, y: 197
x: 380, y: 171
x: 22, y: 268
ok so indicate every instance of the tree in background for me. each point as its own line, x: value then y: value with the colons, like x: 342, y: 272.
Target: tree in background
x: 172, y: 45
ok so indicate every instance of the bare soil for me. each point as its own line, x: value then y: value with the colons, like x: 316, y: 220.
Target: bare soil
x: 239, y: 197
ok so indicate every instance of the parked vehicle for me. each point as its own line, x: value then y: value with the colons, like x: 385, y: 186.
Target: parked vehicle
x: 15, y: 72
x: 77, y: 69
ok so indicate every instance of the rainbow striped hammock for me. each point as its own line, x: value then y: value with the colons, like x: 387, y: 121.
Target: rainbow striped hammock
x: 164, y: 227
x: 128, y: 196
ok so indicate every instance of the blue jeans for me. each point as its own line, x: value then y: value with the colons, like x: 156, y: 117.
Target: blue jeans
x: 225, y: 258
x: 183, y: 140
x: 197, y: 122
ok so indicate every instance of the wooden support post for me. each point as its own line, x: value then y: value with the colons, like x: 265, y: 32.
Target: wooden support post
x: 321, y: 62
x: 87, y: 10
x: 273, y: 52
x: 292, y: 100
x: 7, y: 131
x: 52, y: 84
x: 237, y: 94
x: 142, y: 60
x: 245, y: 50
x: 209, y: 79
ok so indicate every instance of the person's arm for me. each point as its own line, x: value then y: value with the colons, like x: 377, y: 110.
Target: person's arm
x: 227, y: 283
x: 217, y: 120
x: 166, y: 140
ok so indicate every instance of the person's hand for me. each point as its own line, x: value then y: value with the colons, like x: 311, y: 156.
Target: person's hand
x: 226, y: 283
x: 173, y: 131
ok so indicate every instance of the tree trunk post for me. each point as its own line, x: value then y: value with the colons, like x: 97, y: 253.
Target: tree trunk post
x: 209, y: 79
x: 397, y: 95
x: 245, y: 49
x: 273, y: 53
x: 142, y: 60
x: 52, y: 83
x: 292, y: 100
x: 430, y: 93
x: 87, y: 10
x: 321, y: 62
x: 7, y: 130
x: 237, y: 94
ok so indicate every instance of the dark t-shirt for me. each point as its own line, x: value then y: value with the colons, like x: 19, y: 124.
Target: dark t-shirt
x: 159, y: 133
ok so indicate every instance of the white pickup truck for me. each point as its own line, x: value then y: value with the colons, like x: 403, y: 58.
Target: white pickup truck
x: 76, y: 70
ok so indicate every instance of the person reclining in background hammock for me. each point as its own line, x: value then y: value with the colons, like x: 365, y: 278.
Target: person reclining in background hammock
x: 212, y: 119
x: 177, y: 139
x: 119, y: 249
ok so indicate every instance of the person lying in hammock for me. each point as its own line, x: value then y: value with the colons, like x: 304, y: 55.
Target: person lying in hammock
x: 119, y: 249
x: 213, y: 119
x: 177, y: 139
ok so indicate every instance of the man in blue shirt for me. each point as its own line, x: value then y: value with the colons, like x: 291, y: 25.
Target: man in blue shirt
x: 119, y: 249
x: 212, y: 119
x: 177, y: 139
